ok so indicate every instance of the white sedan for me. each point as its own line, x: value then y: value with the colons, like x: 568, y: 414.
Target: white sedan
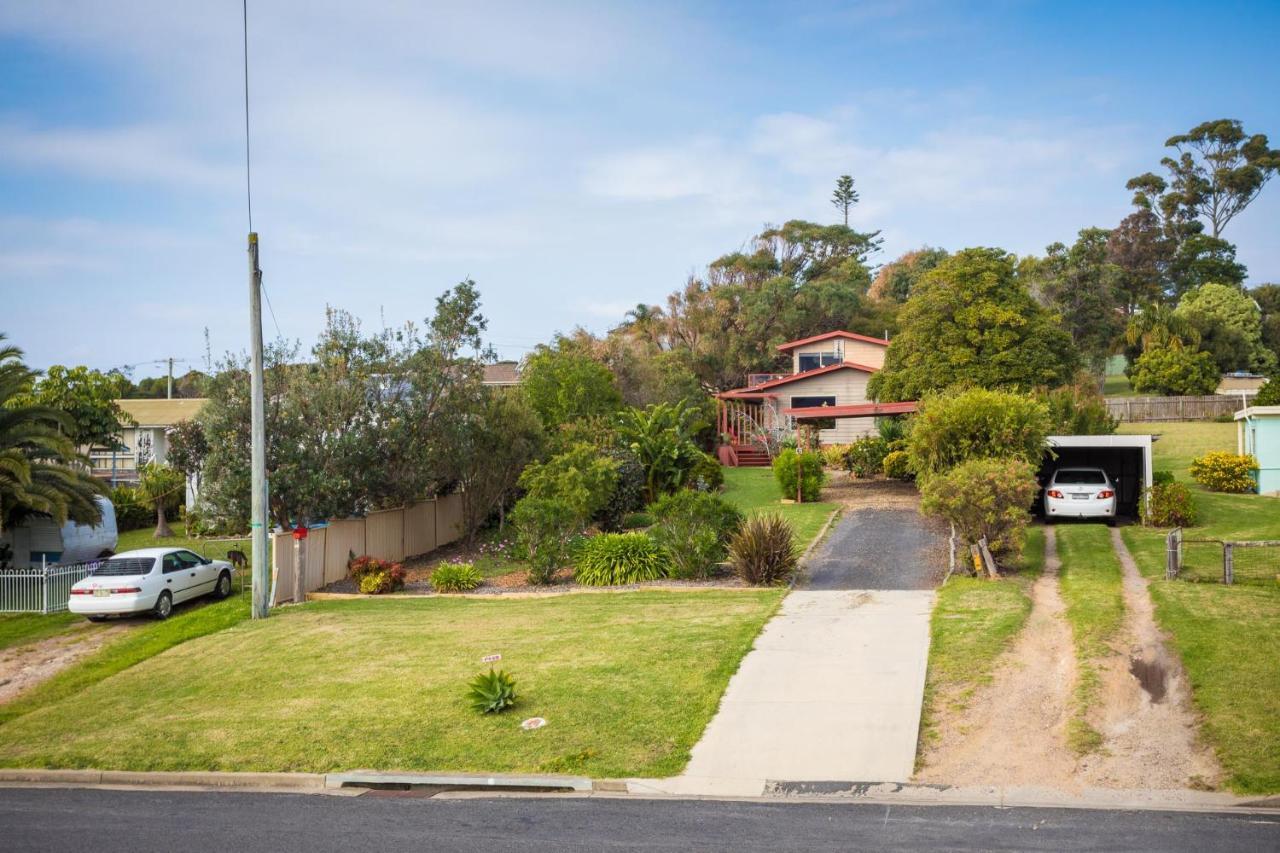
x: 149, y: 580
x: 1080, y: 493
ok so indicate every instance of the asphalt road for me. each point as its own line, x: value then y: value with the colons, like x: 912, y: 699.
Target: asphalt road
x: 879, y: 549
x: 138, y: 821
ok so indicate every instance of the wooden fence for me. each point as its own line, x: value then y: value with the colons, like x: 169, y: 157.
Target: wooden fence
x: 391, y: 534
x: 1138, y: 409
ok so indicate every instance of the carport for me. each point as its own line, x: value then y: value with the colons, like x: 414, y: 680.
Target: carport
x: 1125, y: 458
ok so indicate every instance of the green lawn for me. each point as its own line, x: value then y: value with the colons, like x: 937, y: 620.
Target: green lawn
x: 18, y: 629
x: 1117, y: 385
x: 626, y: 681
x: 1091, y: 587
x: 215, y: 549
x: 1177, y: 443
x: 1226, y: 636
x: 973, y: 621
x: 755, y: 490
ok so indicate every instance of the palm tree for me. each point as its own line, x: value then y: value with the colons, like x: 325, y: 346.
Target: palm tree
x: 1161, y: 326
x: 40, y: 469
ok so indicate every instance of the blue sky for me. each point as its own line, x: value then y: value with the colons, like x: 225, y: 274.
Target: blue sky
x: 574, y: 159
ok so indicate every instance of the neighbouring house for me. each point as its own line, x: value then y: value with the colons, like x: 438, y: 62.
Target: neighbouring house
x: 144, y: 440
x: 827, y: 387
x: 1240, y: 383
x: 1258, y: 435
x: 502, y: 374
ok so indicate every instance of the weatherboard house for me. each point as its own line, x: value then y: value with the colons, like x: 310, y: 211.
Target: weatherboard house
x: 827, y: 387
x: 1258, y: 435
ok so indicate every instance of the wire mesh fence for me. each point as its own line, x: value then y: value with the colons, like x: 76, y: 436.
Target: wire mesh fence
x: 1222, y: 561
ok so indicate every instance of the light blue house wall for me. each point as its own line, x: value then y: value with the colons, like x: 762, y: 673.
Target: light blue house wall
x: 1258, y: 435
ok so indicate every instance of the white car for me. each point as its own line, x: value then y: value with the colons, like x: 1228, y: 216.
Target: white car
x: 149, y: 580
x: 1080, y: 493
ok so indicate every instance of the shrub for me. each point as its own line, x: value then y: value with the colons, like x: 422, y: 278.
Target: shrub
x: 897, y: 465
x: 1224, y: 472
x: 663, y: 437
x: 374, y: 576
x: 611, y: 559
x: 1269, y: 394
x: 892, y: 429
x: 1079, y: 409
x: 763, y: 551
x: 791, y: 468
x: 1161, y: 478
x: 866, y: 456
x: 833, y: 455
x: 707, y: 474
x: 580, y: 477
x: 544, y: 528
x: 976, y: 424
x: 984, y: 497
x: 1169, y: 371
x: 1168, y: 505
x: 637, y: 520
x: 693, y: 529
x: 492, y: 692
x: 131, y: 513
x: 628, y: 491
x: 456, y: 577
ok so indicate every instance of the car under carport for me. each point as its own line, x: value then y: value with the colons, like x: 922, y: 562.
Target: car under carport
x: 1125, y: 458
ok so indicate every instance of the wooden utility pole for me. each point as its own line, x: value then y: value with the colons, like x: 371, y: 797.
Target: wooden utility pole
x: 258, y: 516
x: 170, y: 396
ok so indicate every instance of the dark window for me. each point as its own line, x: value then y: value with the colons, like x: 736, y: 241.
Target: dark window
x: 171, y: 564
x: 189, y: 559
x: 811, y: 402
x: 1080, y: 478
x: 127, y: 566
x: 813, y: 360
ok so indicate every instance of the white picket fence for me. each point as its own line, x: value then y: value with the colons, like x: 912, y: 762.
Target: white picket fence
x: 41, y: 590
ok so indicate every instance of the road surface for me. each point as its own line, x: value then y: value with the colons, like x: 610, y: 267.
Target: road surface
x: 107, y: 821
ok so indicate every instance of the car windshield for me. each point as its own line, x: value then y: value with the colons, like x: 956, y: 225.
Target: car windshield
x: 1080, y: 478
x: 125, y: 566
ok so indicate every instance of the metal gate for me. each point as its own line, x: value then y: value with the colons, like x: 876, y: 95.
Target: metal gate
x: 41, y: 590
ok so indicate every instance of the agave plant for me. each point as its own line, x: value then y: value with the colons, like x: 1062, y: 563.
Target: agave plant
x: 492, y: 692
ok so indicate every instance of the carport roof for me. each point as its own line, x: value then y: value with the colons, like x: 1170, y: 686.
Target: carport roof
x: 1143, y: 440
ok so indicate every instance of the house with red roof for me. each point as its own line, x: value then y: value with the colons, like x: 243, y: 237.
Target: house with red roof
x: 827, y: 387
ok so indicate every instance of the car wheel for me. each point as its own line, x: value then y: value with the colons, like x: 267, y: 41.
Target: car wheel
x: 164, y: 606
x: 223, y: 589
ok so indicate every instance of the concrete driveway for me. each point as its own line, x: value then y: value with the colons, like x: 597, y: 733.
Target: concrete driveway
x: 833, y: 688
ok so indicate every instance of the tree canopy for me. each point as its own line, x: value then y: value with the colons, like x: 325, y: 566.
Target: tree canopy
x: 87, y: 398
x: 972, y: 320
x: 1084, y: 288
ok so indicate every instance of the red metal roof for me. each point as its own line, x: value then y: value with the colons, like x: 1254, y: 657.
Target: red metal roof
x: 754, y: 390
x: 853, y: 336
x: 858, y: 410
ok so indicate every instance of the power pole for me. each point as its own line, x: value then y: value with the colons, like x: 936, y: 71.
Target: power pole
x: 170, y: 378
x: 258, y: 517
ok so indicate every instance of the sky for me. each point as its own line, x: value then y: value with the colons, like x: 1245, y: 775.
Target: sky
x: 574, y: 159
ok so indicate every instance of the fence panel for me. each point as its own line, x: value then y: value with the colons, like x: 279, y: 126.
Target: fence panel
x: 316, y: 541
x: 344, y: 538
x: 282, y: 565
x: 1140, y: 409
x: 448, y: 519
x: 420, y: 528
x: 41, y: 590
x: 384, y: 534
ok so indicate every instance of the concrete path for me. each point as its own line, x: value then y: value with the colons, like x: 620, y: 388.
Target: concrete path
x: 831, y: 692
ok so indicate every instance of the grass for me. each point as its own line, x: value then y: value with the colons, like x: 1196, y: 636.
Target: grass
x: 19, y: 629
x: 626, y: 681
x: 1091, y: 583
x: 214, y: 549
x: 1181, y: 441
x: 973, y: 622
x: 755, y: 490
x: 1117, y: 385
x: 1225, y: 635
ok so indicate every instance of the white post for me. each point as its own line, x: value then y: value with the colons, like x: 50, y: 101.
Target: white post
x: 258, y: 516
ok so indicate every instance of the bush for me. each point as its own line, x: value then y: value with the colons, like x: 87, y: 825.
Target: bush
x: 1079, y: 409
x: 1175, y: 372
x: 897, y: 465
x: 628, y: 491
x: 456, y: 577
x: 892, y: 429
x: 693, y: 529
x: 1224, y: 472
x: 833, y: 455
x: 131, y: 513
x: 492, y: 692
x: 976, y: 424
x: 376, y: 577
x: 580, y: 477
x: 707, y: 474
x: 790, y: 467
x: 865, y: 457
x: 1161, y: 478
x: 637, y: 521
x: 611, y: 559
x: 1168, y: 505
x: 1269, y: 394
x: 763, y: 552
x: 544, y: 528
x: 984, y: 497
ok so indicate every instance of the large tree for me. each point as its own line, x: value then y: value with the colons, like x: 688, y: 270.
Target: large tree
x: 1141, y: 250
x: 1085, y: 289
x: 88, y: 399
x: 1230, y: 326
x: 40, y: 470
x: 844, y: 196
x: 972, y: 321
x: 897, y: 279
x: 565, y: 385
x: 1268, y: 298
